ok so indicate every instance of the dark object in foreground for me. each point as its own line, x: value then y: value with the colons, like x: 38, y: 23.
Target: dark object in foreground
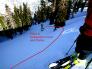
x: 84, y: 41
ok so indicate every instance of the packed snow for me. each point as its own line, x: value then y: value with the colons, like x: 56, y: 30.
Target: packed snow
x: 27, y: 52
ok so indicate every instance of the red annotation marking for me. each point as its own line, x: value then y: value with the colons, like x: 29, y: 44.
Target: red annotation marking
x: 41, y: 51
x: 36, y: 37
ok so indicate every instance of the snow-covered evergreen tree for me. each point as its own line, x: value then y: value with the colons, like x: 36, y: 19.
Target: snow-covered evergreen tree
x: 69, y: 7
x: 16, y: 17
x: 43, y: 11
x: 83, y: 5
x: 8, y: 18
x: 3, y: 26
x: 61, y: 12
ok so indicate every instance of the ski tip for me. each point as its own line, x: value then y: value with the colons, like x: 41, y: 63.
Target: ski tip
x: 53, y: 65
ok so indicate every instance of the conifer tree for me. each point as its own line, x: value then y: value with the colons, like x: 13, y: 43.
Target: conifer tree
x: 48, y: 12
x: 74, y: 9
x: 79, y: 4
x: 8, y: 18
x: 35, y: 18
x: 25, y: 14
x: 2, y: 23
x: 51, y: 10
x: 69, y: 6
x: 43, y: 11
x: 61, y: 12
x: 21, y: 15
x: 16, y: 17
x: 29, y: 16
x: 38, y: 15
x: 83, y: 5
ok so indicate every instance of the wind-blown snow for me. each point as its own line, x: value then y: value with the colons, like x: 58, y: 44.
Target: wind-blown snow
x: 21, y: 47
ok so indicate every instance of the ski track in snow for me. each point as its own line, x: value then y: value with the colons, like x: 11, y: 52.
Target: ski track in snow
x: 41, y: 51
x: 18, y: 49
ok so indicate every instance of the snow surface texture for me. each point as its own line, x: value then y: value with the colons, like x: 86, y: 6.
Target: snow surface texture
x: 23, y: 53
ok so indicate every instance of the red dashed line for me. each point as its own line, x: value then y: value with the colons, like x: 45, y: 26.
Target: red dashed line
x: 30, y: 57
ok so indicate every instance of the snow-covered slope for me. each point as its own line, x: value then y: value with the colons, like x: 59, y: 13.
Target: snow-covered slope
x: 23, y: 52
